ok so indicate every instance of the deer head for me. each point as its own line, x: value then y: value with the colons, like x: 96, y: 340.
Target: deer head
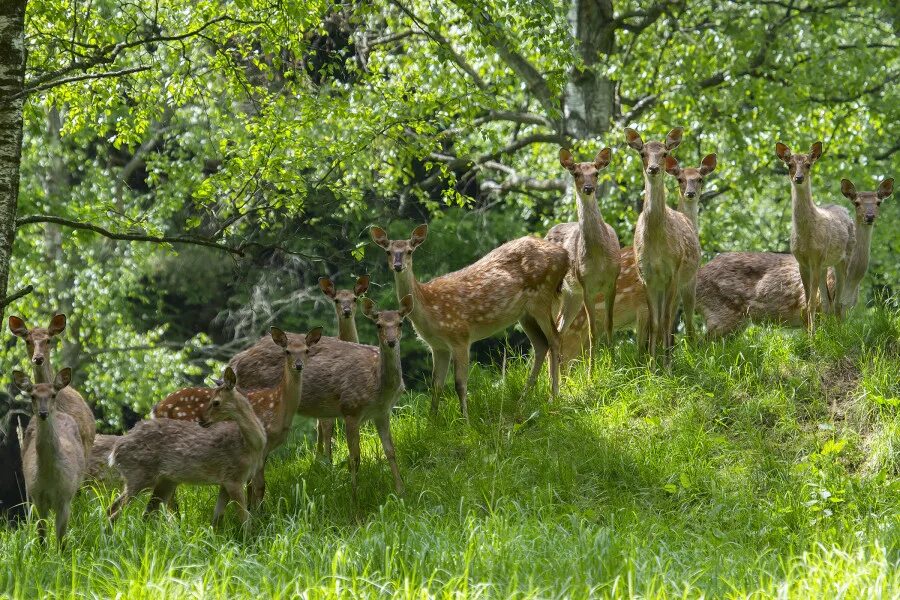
x: 399, y: 252
x: 585, y: 173
x: 297, y: 350
x: 798, y: 165
x: 867, y: 203
x: 388, y: 322
x: 43, y: 395
x: 653, y: 154
x: 223, y: 405
x: 690, y: 179
x: 345, y: 300
x: 37, y: 340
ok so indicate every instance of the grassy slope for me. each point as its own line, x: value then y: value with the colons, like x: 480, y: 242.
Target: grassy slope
x: 763, y: 465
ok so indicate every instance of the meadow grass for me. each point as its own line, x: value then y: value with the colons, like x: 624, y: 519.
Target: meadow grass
x: 762, y: 466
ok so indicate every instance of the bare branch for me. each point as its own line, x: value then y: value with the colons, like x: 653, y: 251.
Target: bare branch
x: 87, y: 76
x: 16, y: 295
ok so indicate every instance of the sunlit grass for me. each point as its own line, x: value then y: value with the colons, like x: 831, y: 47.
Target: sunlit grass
x: 762, y: 465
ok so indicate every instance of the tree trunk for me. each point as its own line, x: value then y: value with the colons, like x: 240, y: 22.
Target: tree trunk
x: 590, y: 99
x: 12, y: 82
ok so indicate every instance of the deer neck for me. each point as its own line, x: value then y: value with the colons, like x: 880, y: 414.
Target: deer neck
x: 42, y: 373
x: 252, y: 430
x: 46, y: 443
x: 289, y: 388
x: 406, y: 284
x: 690, y: 209
x: 391, y: 369
x: 859, y: 260
x: 590, y: 221
x: 802, y: 207
x: 347, y: 329
x: 654, y: 201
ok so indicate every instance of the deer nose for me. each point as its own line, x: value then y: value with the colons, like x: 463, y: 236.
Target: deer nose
x: 798, y: 179
x: 298, y: 366
x: 588, y: 189
x: 43, y: 414
x: 398, y: 267
x: 870, y: 219
x: 392, y: 343
x: 38, y: 360
x: 690, y: 194
x: 653, y: 169
x: 347, y: 313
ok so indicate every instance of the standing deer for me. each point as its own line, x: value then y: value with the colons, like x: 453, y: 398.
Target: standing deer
x: 52, y: 453
x: 866, y: 205
x: 345, y: 309
x: 593, y: 248
x: 342, y: 379
x: 275, y: 406
x: 38, y: 344
x: 821, y: 237
x: 519, y: 281
x: 665, y: 244
x: 631, y: 297
x: 159, y: 454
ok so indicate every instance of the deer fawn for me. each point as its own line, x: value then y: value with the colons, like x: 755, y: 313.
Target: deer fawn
x: 519, y: 281
x: 665, y: 244
x: 345, y: 309
x: 53, y: 458
x: 593, y: 248
x: 159, y: 454
x: 866, y: 205
x: 275, y: 406
x: 37, y: 344
x: 821, y: 237
x: 347, y: 380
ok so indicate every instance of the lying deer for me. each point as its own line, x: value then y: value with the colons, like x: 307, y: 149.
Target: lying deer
x: 821, y: 237
x: 593, y: 248
x: 53, y: 458
x: 519, y: 281
x: 275, y: 406
x: 160, y: 454
x: 665, y: 244
x: 38, y: 342
x: 345, y: 309
x: 342, y: 379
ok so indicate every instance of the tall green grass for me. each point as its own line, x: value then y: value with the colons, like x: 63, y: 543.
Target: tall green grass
x: 760, y: 466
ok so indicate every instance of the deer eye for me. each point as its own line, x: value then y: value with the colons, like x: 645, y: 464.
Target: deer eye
x: 216, y: 402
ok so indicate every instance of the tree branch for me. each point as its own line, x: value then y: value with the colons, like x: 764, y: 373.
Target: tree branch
x: 129, y: 237
x: 16, y: 295
x: 87, y: 76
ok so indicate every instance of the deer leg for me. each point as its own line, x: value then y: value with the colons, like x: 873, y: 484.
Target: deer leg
x: 572, y: 303
x: 161, y: 492
x: 671, y: 304
x: 324, y: 438
x: 235, y: 490
x: 811, y: 301
x: 593, y: 326
x: 805, y: 279
x: 461, y: 377
x: 221, y: 503
x: 115, y: 509
x: 256, y: 489
x: 642, y: 329
x: 610, y: 301
x: 552, y: 337
x: 440, y: 359
x: 656, y: 301
x: 383, y: 425
x: 351, y: 424
x: 840, y: 284
x: 829, y: 305
x: 541, y: 347
x: 62, y: 523
x: 688, y: 302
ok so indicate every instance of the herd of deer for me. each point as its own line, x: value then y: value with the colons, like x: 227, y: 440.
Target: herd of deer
x: 561, y: 290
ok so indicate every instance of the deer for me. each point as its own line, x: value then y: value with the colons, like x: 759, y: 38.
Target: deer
x: 665, y: 243
x: 53, y: 459
x: 518, y: 281
x: 38, y: 342
x: 355, y: 382
x: 275, y: 406
x: 345, y: 309
x: 593, y: 249
x: 159, y: 454
x: 866, y: 206
x: 98, y: 469
x: 821, y: 236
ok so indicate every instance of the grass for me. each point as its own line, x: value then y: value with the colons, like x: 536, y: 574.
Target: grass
x: 762, y: 466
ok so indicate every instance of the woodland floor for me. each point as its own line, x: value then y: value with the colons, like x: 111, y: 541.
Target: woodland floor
x: 764, y: 465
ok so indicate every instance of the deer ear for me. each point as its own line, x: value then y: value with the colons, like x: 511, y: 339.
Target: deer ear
x: 379, y: 236
x: 848, y: 189
x: 230, y: 379
x: 57, y: 325
x: 815, y: 151
x: 218, y: 382
x: 674, y: 138
x: 566, y: 159
x: 279, y: 336
x: 17, y: 327
x: 418, y: 235
x: 886, y: 188
x: 313, y: 337
x: 21, y: 380
x: 672, y: 167
x: 327, y: 286
x: 633, y: 138
x: 782, y: 151
x: 63, y: 378
x: 406, y: 305
x: 368, y: 308
x: 601, y: 161
x: 362, y: 285
x: 708, y: 164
